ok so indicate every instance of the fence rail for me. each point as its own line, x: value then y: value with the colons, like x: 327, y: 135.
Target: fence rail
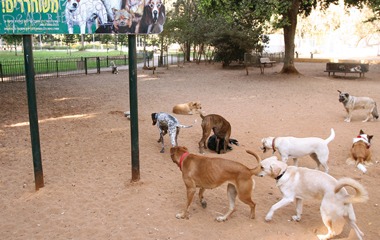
x: 14, y: 70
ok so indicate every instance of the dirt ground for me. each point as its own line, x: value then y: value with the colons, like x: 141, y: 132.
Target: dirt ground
x: 86, y: 153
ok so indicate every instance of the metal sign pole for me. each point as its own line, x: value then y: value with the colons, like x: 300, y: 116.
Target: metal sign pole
x: 32, y: 105
x: 132, y: 57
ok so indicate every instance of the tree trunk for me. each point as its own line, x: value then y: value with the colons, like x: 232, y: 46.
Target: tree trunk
x: 188, y: 49
x: 289, y: 35
x: 82, y: 40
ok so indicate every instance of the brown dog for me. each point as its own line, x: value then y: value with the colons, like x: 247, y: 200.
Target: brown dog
x: 360, y: 153
x: 207, y: 173
x: 221, y: 128
x: 188, y: 108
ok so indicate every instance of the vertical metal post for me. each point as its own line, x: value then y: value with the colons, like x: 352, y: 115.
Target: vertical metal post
x: 132, y: 56
x: 32, y: 104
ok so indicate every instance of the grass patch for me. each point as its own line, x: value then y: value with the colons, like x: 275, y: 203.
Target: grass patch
x: 6, y: 55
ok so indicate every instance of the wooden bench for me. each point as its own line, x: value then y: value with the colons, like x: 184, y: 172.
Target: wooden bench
x: 265, y: 61
x: 347, y: 68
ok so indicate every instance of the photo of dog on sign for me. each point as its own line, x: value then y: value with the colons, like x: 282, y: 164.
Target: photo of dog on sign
x: 133, y: 16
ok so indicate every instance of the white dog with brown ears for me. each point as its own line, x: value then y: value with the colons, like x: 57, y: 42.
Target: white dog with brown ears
x: 301, y: 183
x: 291, y: 147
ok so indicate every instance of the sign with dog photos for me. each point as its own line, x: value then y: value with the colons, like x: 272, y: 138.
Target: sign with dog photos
x: 81, y: 16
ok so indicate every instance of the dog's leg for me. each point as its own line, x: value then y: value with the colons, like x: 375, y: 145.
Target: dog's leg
x: 173, y: 133
x: 328, y: 223
x: 245, y: 192
x: 226, y: 140
x: 351, y: 219
x: 299, y: 204
x: 162, y: 143
x: 324, y: 160
x: 201, y: 198
x: 295, y: 160
x: 206, y: 133
x: 367, y: 161
x: 368, y: 115
x: 217, y: 140
x: 232, y: 193
x: 284, y: 158
x: 190, y: 194
x: 280, y: 204
x: 349, y: 115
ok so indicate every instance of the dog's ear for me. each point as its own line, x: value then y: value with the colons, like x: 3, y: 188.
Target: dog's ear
x: 185, y: 148
x: 361, y: 132
x: 347, y: 95
x: 339, y: 91
x: 276, y: 170
x: 370, y: 137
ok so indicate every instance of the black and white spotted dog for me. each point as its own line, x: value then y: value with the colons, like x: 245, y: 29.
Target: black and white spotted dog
x: 211, y: 144
x: 166, y: 122
x: 114, y: 68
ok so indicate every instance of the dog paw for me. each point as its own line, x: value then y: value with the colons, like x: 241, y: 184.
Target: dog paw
x: 295, y: 218
x: 220, y: 219
x: 180, y: 216
x: 204, y: 204
x: 162, y: 151
x: 268, y: 218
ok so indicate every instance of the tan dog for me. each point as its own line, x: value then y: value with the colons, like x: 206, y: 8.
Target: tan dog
x: 298, y: 183
x: 221, y: 128
x: 188, y: 108
x: 360, y: 153
x: 206, y: 173
x: 352, y: 103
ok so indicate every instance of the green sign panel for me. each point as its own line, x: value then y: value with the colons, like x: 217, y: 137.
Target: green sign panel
x: 81, y: 16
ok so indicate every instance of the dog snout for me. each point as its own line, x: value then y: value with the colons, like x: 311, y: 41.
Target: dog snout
x: 75, y: 5
x: 155, y: 17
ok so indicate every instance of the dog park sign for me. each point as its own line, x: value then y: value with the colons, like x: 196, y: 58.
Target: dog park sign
x: 81, y: 16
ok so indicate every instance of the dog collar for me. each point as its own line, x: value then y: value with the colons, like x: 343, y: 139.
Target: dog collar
x: 362, y: 138
x: 180, y: 161
x: 280, y: 176
x: 273, y: 145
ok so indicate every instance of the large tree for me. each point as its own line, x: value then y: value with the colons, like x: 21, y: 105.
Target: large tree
x: 283, y: 14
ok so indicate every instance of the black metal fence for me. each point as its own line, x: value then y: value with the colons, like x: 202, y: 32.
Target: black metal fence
x: 14, y: 70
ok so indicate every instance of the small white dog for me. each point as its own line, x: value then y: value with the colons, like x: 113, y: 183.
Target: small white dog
x: 114, y: 68
x: 302, y: 183
x: 84, y: 13
x: 291, y: 147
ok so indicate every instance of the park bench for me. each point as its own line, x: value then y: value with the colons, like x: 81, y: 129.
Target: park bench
x: 265, y: 61
x: 345, y: 68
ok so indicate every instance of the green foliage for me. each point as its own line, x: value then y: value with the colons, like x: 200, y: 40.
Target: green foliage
x: 68, y: 38
x: 232, y: 41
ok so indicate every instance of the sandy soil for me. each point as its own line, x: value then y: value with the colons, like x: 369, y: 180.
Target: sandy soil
x: 86, y: 152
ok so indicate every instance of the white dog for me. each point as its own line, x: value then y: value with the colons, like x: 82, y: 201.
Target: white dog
x: 301, y: 183
x: 291, y: 147
x: 84, y: 13
x: 114, y: 68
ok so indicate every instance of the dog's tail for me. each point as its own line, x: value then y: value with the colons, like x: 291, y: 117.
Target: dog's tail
x: 257, y: 169
x: 374, y: 112
x: 361, y: 194
x: 332, y: 136
x: 182, y: 126
x: 201, y: 115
